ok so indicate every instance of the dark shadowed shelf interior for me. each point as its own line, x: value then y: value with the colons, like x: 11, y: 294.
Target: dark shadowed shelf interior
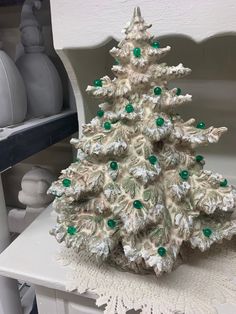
x: 19, y: 142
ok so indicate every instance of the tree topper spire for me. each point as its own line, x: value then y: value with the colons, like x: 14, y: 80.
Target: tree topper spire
x: 137, y: 12
x: 137, y: 27
x: 137, y: 17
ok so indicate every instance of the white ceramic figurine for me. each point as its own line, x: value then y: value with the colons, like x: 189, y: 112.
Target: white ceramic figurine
x: 33, y: 194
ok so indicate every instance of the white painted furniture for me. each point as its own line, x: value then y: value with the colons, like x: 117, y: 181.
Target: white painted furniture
x: 9, y: 297
x: 88, y: 25
x: 32, y: 258
x: 92, y: 23
x: 16, y: 144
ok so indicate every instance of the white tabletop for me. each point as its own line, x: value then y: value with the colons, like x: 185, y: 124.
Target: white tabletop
x: 32, y: 256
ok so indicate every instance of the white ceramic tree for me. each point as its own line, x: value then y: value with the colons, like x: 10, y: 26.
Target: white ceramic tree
x: 138, y: 191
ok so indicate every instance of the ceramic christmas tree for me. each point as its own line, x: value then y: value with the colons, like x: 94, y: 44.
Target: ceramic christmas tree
x: 138, y: 190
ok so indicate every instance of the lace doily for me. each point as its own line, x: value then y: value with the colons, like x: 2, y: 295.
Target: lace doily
x: 193, y: 288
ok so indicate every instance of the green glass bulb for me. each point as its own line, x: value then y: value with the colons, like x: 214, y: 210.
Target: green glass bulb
x: 97, y: 83
x: 157, y: 90
x: 178, y: 91
x: 160, y: 121
x: 71, y: 230
x: 207, y: 232
x: 156, y: 44
x: 107, y: 125
x: 223, y: 183
x: 100, y: 113
x: 199, y: 158
x: 129, y: 108
x: 161, y: 251
x: 152, y: 159
x: 201, y: 125
x: 184, y: 174
x: 137, y: 52
x: 137, y: 204
x: 111, y: 223
x: 114, y: 165
x: 66, y: 182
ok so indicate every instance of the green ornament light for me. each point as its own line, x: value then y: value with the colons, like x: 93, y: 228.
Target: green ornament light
x: 161, y: 251
x: 66, y: 183
x: 156, y: 44
x: 129, y: 108
x: 223, y: 183
x: 107, y: 125
x: 137, y: 204
x: 71, y: 230
x: 137, y: 52
x: 184, y: 174
x: 97, y: 83
x: 160, y: 121
x: 207, y: 232
x: 199, y: 158
x: 157, y: 91
x: 111, y: 223
x: 100, y: 113
x: 114, y: 165
x: 152, y: 159
x: 201, y: 125
x: 178, y: 91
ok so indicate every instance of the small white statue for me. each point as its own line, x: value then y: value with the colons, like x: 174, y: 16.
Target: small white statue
x: 34, y: 184
x: 42, y: 81
x: 13, y: 104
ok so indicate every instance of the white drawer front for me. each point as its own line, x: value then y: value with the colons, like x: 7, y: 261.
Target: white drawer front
x: 52, y: 301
